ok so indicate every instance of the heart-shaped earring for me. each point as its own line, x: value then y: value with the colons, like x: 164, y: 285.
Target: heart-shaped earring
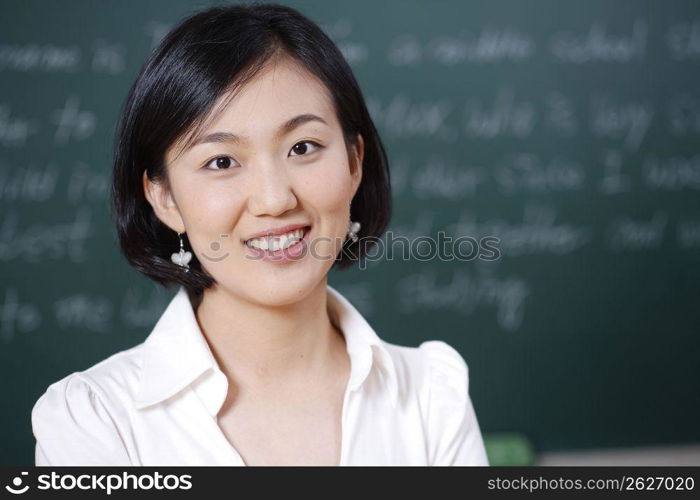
x: 182, y: 258
x: 353, y: 227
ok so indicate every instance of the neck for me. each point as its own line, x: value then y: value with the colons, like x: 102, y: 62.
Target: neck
x: 259, y: 345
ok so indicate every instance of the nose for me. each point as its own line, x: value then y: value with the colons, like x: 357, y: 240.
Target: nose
x: 271, y: 191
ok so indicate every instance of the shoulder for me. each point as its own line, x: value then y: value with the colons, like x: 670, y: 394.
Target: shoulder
x: 439, y: 375
x: 103, y: 390
x: 113, y: 380
x: 434, y: 367
x: 448, y: 371
x: 87, y: 409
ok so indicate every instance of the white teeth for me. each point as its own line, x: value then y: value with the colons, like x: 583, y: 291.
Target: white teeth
x: 278, y: 242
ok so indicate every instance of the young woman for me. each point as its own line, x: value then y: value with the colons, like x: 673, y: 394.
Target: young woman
x: 246, y: 166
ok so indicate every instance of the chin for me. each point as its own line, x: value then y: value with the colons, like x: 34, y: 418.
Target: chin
x: 281, y: 296
x: 269, y: 292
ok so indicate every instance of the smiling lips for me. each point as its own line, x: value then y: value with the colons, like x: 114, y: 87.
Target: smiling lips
x: 277, y: 231
x: 275, y: 243
x: 286, y: 248
x: 278, y: 245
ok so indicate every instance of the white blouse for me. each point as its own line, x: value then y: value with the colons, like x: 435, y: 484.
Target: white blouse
x: 156, y: 404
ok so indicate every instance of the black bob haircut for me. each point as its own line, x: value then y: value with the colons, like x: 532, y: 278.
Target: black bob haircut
x: 202, y: 58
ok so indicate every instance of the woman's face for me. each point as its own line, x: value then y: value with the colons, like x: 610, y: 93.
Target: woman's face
x: 225, y: 190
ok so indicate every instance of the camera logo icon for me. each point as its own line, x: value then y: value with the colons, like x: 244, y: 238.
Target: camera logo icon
x: 215, y: 246
x: 16, y: 488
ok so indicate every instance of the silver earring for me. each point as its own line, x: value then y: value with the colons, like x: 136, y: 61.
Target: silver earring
x: 182, y: 258
x: 353, y: 228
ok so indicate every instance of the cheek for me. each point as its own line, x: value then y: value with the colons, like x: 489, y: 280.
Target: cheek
x: 329, y: 186
x: 328, y: 190
x: 208, y: 209
x: 210, y: 204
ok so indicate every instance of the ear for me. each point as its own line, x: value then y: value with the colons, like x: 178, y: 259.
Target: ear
x: 358, y: 159
x: 163, y: 204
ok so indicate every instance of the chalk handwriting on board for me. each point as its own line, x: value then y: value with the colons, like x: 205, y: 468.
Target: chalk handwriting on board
x: 600, y: 44
x: 671, y: 173
x: 101, y: 56
x: 15, y: 130
x: 45, y: 240
x: 505, y: 116
x: 628, y: 121
x: 35, y: 57
x: 438, y: 179
x: 464, y: 293
x: 27, y: 183
x: 72, y: 123
x: 528, y: 173
x: 628, y: 234
x: 514, y: 174
x: 403, y: 118
x: 538, y: 232
x: 491, y: 44
x: 17, y: 316
x: 34, y: 183
x: 83, y: 311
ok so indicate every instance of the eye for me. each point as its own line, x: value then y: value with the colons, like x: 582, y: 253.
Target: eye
x: 301, y: 149
x: 221, y: 162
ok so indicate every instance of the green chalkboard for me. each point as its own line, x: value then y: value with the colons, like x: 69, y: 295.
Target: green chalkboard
x: 568, y: 131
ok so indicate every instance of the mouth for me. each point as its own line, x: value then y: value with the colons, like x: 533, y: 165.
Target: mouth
x: 290, y: 245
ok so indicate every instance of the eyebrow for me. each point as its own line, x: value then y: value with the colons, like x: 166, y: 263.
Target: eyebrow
x: 285, y: 128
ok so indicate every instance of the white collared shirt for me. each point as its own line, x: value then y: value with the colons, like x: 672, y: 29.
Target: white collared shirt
x: 157, y: 403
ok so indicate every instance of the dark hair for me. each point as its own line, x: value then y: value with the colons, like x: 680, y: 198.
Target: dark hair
x: 205, y: 56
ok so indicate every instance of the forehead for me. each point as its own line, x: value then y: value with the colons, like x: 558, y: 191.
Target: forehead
x: 282, y: 89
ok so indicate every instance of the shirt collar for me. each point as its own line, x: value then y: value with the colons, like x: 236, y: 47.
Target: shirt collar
x: 176, y: 353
